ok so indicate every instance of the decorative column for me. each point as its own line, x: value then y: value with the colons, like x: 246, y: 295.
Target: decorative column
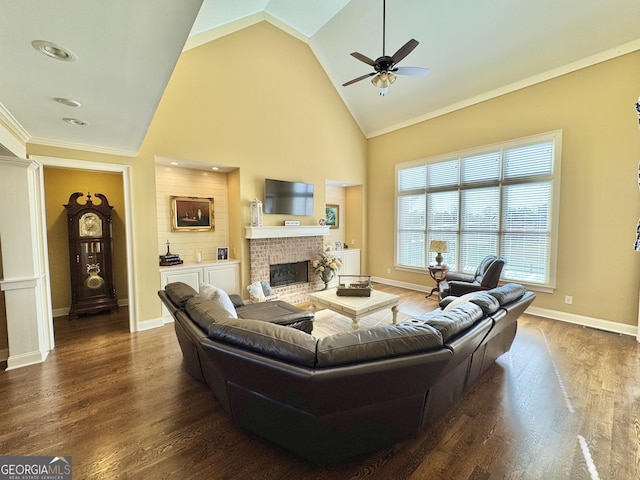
x: 22, y: 278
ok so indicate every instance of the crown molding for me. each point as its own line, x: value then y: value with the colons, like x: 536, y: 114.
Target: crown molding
x: 604, y: 56
x: 13, y: 137
x: 13, y: 124
x: 232, y: 27
x: 222, y: 31
x: 47, y: 142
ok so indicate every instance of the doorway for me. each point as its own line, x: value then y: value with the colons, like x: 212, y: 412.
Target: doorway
x: 122, y: 175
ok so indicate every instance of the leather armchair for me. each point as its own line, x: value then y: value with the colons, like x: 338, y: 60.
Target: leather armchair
x: 486, y: 277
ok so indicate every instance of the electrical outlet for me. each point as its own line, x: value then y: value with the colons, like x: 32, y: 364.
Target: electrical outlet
x: 353, y: 242
x: 568, y: 299
x: 388, y: 270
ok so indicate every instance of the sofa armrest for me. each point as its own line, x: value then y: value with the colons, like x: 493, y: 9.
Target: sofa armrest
x: 236, y: 300
x: 459, y: 277
x: 457, y: 289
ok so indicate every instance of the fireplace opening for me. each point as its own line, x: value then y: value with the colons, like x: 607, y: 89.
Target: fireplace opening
x: 284, y: 274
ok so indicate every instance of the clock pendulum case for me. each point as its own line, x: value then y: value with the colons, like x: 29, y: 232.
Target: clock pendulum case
x: 90, y: 255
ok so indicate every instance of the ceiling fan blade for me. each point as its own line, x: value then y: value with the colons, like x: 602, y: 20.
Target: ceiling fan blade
x: 412, y: 71
x: 404, y: 50
x: 359, y: 78
x: 364, y: 58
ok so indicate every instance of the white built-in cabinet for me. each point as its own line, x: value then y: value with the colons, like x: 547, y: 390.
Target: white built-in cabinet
x: 224, y: 275
x: 350, y: 263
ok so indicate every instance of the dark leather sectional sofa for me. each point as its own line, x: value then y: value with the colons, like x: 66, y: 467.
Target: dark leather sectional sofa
x: 336, y: 397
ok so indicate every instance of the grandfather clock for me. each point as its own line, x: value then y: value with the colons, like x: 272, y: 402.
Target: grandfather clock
x: 90, y: 255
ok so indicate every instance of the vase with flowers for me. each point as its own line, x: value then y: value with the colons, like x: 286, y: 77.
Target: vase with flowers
x: 326, y: 267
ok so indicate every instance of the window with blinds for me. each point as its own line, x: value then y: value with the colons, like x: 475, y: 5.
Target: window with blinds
x: 499, y: 200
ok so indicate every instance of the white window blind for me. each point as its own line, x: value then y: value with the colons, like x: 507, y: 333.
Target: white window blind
x: 499, y: 201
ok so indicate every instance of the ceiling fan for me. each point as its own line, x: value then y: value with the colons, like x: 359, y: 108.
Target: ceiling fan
x: 385, y: 66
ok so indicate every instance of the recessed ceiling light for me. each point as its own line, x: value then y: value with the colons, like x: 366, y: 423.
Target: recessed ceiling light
x: 75, y: 121
x: 215, y: 168
x: 54, y: 51
x: 174, y: 163
x: 68, y: 102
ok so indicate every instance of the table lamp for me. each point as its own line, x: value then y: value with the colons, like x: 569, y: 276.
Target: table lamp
x: 440, y: 247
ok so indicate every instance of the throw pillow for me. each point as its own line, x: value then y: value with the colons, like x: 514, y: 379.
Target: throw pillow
x: 459, y: 300
x: 266, y: 288
x: 219, y: 296
x: 256, y: 293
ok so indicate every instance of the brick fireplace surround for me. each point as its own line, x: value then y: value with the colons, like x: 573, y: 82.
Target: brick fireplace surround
x: 271, y: 251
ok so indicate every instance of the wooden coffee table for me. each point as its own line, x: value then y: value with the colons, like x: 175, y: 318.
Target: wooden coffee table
x: 355, y: 307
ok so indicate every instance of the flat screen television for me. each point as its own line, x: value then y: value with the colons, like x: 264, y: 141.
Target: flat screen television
x: 288, y: 198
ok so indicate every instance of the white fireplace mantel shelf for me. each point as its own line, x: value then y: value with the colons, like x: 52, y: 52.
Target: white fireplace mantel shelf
x: 286, y: 231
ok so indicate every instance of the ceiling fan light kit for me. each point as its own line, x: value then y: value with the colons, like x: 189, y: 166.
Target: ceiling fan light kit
x: 385, y: 66
x: 382, y: 81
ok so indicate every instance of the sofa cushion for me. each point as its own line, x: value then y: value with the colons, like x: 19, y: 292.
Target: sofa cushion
x: 274, y: 341
x: 451, y: 302
x: 453, y: 322
x: 204, y: 312
x: 219, y: 296
x: 279, y: 312
x: 376, y: 343
x: 507, y: 293
x: 486, y: 302
x: 180, y: 293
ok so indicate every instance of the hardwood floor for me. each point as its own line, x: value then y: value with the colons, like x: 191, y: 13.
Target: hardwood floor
x: 564, y: 403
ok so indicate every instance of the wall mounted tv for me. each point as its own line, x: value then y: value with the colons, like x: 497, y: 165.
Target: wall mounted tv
x: 288, y: 198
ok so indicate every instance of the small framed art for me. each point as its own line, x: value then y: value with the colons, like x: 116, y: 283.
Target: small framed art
x: 223, y: 253
x: 332, y: 215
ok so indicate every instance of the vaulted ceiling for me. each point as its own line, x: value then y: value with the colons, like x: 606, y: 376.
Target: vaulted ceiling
x: 126, y: 50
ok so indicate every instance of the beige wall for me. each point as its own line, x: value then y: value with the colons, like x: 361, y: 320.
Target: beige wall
x: 59, y: 184
x: 599, y: 202
x: 335, y: 195
x: 271, y: 112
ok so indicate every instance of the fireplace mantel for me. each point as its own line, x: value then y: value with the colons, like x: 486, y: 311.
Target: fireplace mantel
x: 286, y: 231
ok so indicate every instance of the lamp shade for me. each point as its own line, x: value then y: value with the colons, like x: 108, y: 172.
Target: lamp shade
x: 438, y: 246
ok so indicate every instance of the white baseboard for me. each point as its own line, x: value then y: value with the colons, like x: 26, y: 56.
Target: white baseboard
x: 150, y: 324
x: 591, y: 322
x: 407, y: 285
x: 60, y: 312
x: 25, y: 359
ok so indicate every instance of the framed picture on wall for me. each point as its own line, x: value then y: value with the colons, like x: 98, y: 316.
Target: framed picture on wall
x: 223, y: 253
x: 192, y: 214
x: 332, y: 215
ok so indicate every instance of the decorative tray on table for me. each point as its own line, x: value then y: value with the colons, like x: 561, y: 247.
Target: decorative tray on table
x: 354, y: 286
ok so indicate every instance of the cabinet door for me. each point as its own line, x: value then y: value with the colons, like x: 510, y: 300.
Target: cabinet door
x: 351, y: 262
x: 190, y: 277
x: 226, y: 277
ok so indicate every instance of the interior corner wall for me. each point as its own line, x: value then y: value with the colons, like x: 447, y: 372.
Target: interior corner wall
x: 4, y: 339
x: 355, y: 211
x: 599, y: 198
x: 335, y: 195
